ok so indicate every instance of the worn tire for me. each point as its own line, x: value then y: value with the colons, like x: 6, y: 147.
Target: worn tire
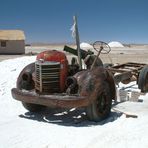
x: 100, y: 108
x: 143, y: 79
x: 32, y: 107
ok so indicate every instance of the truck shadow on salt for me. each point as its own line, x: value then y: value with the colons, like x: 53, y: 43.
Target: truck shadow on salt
x: 73, y: 117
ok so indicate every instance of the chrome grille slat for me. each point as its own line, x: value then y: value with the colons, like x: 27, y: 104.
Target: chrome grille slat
x: 47, y: 77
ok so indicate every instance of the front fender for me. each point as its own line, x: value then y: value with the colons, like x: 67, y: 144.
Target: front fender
x: 91, y: 82
x: 28, y: 70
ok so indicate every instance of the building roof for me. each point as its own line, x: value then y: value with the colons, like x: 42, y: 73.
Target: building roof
x: 12, y: 35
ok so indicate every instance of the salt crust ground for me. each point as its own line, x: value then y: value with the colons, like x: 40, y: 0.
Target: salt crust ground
x: 66, y: 129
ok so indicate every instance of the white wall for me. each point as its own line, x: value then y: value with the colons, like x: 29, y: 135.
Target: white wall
x: 13, y: 47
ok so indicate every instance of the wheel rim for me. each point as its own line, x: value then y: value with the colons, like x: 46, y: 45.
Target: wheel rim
x: 100, y: 108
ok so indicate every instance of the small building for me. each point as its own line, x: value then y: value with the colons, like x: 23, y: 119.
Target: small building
x: 12, y: 42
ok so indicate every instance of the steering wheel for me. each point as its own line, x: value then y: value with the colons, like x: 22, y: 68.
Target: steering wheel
x: 101, y: 47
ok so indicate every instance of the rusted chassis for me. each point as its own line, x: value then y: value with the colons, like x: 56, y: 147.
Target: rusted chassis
x: 90, y: 83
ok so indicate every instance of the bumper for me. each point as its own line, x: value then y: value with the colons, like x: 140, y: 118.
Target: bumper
x: 57, y: 100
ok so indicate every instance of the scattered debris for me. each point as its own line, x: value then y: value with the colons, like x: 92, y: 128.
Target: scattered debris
x: 128, y: 115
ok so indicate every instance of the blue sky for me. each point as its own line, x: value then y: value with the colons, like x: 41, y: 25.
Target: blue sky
x: 50, y: 20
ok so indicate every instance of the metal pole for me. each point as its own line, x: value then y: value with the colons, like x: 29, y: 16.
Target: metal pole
x: 78, y: 42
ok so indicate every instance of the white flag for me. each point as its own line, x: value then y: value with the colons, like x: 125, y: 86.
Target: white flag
x: 73, y: 29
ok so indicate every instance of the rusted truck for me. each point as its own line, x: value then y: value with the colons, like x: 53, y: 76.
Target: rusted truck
x: 51, y: 81
x: 54, y: 82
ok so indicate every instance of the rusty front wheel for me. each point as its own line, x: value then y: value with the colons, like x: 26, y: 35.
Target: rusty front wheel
x: 100, y: 108
x: 32, y: 107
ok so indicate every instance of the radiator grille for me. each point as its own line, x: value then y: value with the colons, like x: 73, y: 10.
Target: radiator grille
x: 47, y: 77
